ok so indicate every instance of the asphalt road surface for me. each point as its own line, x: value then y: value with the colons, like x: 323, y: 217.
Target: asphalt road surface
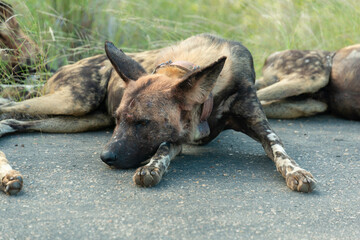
x: 228, y: 189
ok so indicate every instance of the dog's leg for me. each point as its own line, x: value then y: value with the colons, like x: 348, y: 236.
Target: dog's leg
x: 11, y: 181
x: 63, y: 124
x: 58, y: 103
x: 293, y: 109
x: 248, y: 117
x: 151, y: 174
x: 296, y: 177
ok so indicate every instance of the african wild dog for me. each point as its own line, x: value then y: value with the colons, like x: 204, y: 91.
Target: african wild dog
x: 300, y: 83
x: 158, y: 104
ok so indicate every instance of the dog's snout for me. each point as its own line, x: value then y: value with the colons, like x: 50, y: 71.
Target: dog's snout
x: 118, y: 161
x: 108, y: 157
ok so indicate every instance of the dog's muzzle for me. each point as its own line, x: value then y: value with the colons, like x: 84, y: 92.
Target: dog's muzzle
x: 113, y: 159
x: 126, y: 153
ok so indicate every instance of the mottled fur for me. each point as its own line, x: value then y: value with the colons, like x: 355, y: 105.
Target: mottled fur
x: 154, y: 114
x: 299, y: 83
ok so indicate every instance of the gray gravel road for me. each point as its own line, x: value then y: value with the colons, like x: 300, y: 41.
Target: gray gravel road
x: 228, y: 189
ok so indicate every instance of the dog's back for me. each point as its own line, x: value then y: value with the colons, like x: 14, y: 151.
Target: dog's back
x: 200, y: 50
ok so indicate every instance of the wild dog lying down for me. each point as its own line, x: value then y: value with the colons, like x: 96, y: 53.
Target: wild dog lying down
x: 207, y: 87
x: 303, y: 83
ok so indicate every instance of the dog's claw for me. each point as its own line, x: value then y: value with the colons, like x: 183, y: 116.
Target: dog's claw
x: 147, y: 176
x: 301, y: 181
x: 12, y: 183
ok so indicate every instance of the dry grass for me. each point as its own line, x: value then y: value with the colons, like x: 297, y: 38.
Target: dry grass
x: 70, y: 30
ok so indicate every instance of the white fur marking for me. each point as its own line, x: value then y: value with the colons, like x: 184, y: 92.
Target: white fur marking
x: 4, y: 100
x: 296, y: 169
x: 283, y: 162
x: 4, y: 128
x: 272, y: 137
x: 164, y: 160
x: 354, y: 54
x: 4, y: 169
x: 278, y: 148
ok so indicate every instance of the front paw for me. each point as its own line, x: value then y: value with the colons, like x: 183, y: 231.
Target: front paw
x: 300, y: 180
x: 12, y: 183
x: 147, y: 176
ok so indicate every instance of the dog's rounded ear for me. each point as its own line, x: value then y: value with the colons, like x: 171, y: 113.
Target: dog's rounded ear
x: 195, y: 87
x: 125, y: 66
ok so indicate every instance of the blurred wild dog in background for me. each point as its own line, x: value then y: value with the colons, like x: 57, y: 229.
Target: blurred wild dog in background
x: 19, y: 57
x: 298, y: 83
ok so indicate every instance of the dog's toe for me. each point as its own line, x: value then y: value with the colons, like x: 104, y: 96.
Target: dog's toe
x: 147, y: 176
x: 301, y: 181
x: 12, y: 183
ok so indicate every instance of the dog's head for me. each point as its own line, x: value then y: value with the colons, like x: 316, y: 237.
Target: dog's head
x: 155, y: 108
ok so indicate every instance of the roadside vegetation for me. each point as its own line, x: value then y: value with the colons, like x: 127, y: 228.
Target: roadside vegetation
x: 68, y: 30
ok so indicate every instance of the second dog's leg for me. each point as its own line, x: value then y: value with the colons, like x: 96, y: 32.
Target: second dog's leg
x: 151, y: 174
x: 11, y: 181
x: 62, y: 102
x: 63, y: 124
x: 293, y: 109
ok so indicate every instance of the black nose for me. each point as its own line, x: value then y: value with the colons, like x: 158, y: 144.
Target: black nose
x: 108, y: 157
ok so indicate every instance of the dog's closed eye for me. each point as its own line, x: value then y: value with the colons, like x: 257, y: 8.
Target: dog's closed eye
x: 143, y: 122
